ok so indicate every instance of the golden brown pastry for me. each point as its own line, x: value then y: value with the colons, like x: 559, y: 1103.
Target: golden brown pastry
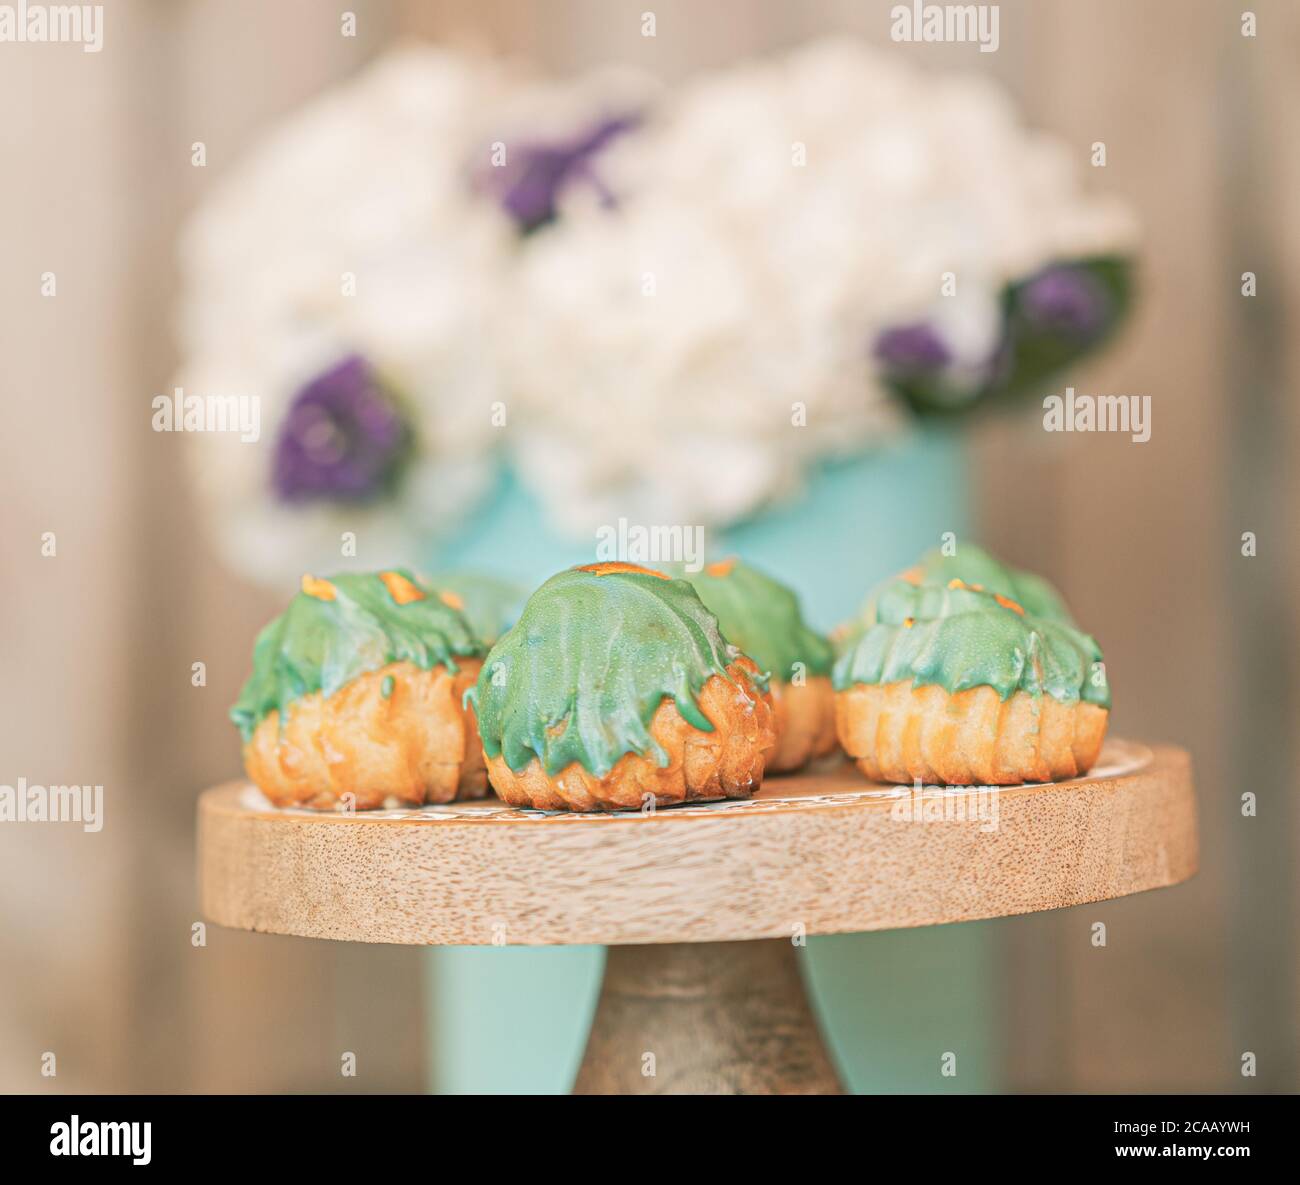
x: 805, y: 722
x: 355, y: 700
x: 899, y: 733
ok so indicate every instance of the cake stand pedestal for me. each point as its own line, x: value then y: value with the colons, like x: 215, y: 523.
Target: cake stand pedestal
x: 705, y: 907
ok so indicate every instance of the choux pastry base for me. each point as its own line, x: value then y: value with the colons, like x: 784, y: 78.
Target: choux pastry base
x: 725, y: 763
x: 417, y: 745
x: 900, y: 733
x: 805, y: 722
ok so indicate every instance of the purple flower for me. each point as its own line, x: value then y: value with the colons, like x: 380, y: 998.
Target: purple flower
x: 909, y: 350
x: 1065, y: 300
x: 342, y: 440
x: 529, y: 185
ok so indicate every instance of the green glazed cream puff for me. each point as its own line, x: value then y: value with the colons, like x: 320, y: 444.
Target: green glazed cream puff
x: 616, y: 689
x: 964, y: 671
x: 356, y: 697
x: 762, y: 616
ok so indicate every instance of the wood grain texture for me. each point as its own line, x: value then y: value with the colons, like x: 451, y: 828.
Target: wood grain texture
x: 705, y: 1018
x: 1146, y: 554
x: 817, y: 853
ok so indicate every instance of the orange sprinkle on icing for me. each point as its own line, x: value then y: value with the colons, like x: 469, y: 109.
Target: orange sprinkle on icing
x: 1008, y: 603
x: 614, y: 566
x: 912, y: 576
x: 322, y: 590
x: 401, y: 589
x: 722, y: 567
x: 909, y: 622
x: 451, y: 600
x: 955, y: 583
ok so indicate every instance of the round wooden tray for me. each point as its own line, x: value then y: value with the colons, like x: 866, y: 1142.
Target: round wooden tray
x: 815, y: 853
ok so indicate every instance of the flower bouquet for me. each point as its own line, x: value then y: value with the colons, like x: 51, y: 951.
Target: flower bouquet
x: 661, y: 305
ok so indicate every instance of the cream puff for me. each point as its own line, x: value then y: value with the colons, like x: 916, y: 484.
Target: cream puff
x: 964, y: 671
x: 762, y: 616
x: 616, y: 690
x: 356, y: 697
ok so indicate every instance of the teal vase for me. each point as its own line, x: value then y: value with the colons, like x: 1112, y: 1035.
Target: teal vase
x: 514, y: 1019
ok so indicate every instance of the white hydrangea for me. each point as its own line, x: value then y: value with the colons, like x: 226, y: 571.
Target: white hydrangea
x: 680, y: 358
x: 773, y: 217
x: 371, y: 179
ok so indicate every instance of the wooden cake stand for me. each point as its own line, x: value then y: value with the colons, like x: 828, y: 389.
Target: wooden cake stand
x: 704, y: 907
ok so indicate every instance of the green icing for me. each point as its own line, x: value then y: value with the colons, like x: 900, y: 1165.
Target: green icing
x: 320, y: 645
x: 761, y: 616
x: 960, y: 637
x: 973, y: 565
x: 597, y: 654
x: 491, y: 603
